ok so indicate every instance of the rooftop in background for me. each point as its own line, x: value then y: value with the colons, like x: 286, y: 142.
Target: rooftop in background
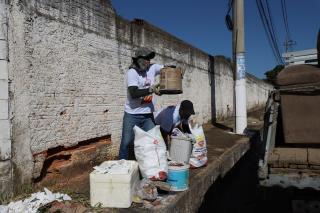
x: 301, y: 57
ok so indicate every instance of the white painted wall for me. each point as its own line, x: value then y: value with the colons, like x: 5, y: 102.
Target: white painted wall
x: 5, y: 127
x: 68, y: 75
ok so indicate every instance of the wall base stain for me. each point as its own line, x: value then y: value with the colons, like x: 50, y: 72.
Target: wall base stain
x: 69, y: 167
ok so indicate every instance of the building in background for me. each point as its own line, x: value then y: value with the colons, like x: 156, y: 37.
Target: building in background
x: 300, y: 57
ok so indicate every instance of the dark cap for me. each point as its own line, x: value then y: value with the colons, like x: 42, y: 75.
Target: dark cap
x: 187, y: 107
x: 145, y: 53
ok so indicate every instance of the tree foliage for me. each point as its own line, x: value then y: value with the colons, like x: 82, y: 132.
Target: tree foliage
x: 271, y: 75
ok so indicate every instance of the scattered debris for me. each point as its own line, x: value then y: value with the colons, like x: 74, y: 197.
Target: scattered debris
x: 219, y: 149
x: 66, y: 207
x: 162, y: 185
x: 231, y: 133
x: 145, y: 190
x: 34, y: 202
x: 121, y: 167
x: 156, y: 203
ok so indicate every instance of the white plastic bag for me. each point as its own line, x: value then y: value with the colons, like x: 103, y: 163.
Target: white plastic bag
x: 199, y: 151
x: 150, y: 151
x: 145, y: 190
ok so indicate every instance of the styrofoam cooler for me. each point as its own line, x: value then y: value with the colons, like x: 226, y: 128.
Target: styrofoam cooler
x: 113, y: 190
x: 180, y: 149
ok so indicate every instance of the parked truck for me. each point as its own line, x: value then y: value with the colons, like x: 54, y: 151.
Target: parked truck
x: 291, y: 133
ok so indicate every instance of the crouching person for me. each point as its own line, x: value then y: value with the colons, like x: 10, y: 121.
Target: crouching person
x: 172, y: 117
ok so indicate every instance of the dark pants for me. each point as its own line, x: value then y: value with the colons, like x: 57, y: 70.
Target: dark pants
x: 166, y: 137
x: 144, y: 121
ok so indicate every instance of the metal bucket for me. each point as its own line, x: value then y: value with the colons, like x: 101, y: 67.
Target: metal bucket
x: 171, y: 80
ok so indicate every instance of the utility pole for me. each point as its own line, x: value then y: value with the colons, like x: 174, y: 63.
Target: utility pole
x: 288, y: 44
x: 240, y: 69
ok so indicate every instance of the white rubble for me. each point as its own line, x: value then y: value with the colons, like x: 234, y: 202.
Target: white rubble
x: 121, y: 167
x: 32, y: 204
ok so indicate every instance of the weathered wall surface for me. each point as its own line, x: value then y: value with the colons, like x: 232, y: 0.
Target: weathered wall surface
x: 224, y: 88
x: 5, y: 133
x: 67, y: 85
x: 68, y: 61
x: 257, y: 90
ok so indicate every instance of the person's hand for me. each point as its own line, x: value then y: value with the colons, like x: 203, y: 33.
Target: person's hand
x: 155, y: 89
x: 182, y: 72
x: 192, y: 121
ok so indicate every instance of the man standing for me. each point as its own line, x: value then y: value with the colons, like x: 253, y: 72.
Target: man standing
x: 139, y: 105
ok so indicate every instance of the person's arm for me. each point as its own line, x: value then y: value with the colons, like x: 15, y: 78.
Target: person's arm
x: 137, y: 93
x: 133, y: 89
x: 157, y: 68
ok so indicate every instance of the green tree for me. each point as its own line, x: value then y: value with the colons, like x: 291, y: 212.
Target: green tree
x: 271, y: 75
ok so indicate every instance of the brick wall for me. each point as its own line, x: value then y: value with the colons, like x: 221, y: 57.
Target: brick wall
x: 5, y: 133
x: 68, y: 61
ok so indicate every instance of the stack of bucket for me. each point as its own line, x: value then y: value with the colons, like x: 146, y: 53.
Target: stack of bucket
x: 178, y: 168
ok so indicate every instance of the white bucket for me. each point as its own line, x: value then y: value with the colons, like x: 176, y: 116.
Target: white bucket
x: 180, y: 149
x: 178, y: 176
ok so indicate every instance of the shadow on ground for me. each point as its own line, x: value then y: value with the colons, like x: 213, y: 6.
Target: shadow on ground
x: 239, y: 190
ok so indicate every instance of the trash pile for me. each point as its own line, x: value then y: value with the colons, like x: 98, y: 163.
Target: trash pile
x: 120, y: 167
x: 34, y: 202
x: 116, y: 184
x: 145, y: 190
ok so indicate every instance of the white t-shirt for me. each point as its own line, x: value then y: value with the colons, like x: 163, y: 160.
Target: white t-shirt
x: 142, y: 80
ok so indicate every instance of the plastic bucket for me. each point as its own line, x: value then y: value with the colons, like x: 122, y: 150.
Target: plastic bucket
x: 180, y: 149
x: 171, y: 80
x: 178, y: 176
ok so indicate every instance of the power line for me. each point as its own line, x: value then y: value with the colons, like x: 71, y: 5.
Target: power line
x: 288, y: 41
x: 267, y: 23
x: 269, y: 26
x: 228, y: 18
x: 273, y: 31
x: 267, y: 29
x: 285, y: 16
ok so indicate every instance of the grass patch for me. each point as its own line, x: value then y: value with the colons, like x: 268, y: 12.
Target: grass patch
x: 23, y: 192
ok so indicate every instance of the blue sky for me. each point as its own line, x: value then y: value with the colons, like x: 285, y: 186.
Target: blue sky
x: 201, y: 24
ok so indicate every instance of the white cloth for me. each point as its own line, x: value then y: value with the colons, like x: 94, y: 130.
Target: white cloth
x: 176, y: 116
x: 142, y: 80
